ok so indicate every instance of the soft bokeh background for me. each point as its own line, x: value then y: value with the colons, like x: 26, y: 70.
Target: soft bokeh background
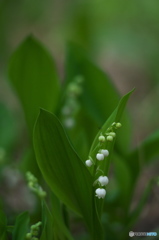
x: 121, y: 36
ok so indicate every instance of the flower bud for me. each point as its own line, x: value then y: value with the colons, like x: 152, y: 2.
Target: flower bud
x: 100, y: 156
x: 38, y: 224
x: 113, y: 134
x: 28, y: 236
x: 105, y: 152
x: 101, y: 138
x: 103, y: 180
x: 100, y: 192
x: 35, y: 233
x: 79, y: 79
x: 41, y: 193
x: 118, y: 125
x: 88, y: 163
x: 109, y: 138
x: 74, y: 89
x: 33, y: 227
x: 30, y: 184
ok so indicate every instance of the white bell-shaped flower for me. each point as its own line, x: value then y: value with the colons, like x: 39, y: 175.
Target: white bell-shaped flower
x: 88, y: 163
x: 105, y: 152
x: 100, y: 192
x: 69, y: 122
x: 100, y: 156
x: 103, y: 180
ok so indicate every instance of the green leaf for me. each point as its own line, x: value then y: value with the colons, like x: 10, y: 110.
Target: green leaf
x: 21, y: 226
x: 63, y: 170
x: 53, y: 223
x: 3, y: 226
x: 123, y: 179
x: 115, y: 117
x: 99, y: 97
x: 60, y: 227
x: 97, y: 87
x: 47, y: 223
x: 33, y: 75
x: 143, y: 154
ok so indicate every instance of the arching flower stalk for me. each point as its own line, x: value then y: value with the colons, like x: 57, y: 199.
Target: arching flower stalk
x: 34, y: 185
x: 98, y: 162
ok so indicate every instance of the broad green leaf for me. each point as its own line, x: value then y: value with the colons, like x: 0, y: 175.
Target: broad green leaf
x: 3, y: 226
x: 99, y: 97
x: 98, y: 89
x: 114, y: 117
x: 54, y: 226
x: 63, y: 170
x: 47, y: 224
x: 33, y: 75
x: 60, y: 227
x: 21, y: 226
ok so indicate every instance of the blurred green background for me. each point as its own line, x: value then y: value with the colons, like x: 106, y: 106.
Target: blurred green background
x: 120, y: 36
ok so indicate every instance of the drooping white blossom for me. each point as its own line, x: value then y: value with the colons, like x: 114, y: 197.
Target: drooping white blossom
x: 88, y: 163
x: 100, y: 192
x: 100, y: 156
x: 105, y: 152
x: 103, y: 180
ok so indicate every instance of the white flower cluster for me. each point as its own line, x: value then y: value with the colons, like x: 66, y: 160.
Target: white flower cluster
x: 34, y: 185
x: 101, y: 154
x: 102, y: 181
x: 71, y: 105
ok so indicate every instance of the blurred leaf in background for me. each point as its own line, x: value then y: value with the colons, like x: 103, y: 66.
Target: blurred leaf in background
x: 33, y: 75
x: 21, y: 226
x: 98, y: 99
